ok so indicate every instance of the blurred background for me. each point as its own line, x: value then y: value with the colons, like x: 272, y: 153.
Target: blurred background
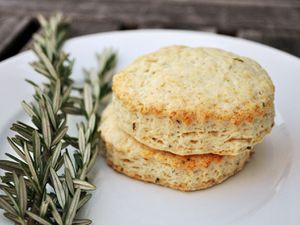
x: 272, y: 22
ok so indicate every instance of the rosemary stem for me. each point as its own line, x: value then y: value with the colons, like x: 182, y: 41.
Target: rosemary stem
x: 47, y: 183
x: 34, y: 209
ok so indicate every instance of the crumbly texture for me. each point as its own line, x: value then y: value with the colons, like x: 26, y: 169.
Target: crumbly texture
x: 186, y: 173
x: 217, y: 137
x: 191, y: 100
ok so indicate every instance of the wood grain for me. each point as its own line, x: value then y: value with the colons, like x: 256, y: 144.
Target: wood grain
x: 285, y: 40
x: 272, y: 22
x: 225, y: 16
x: 14, y: 34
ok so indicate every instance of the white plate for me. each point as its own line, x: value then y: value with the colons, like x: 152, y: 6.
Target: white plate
x: 265, y: 192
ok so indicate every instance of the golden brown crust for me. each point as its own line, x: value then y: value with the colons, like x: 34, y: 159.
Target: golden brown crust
x: 189, y: 162
x: 181, y: 187
x: 186, y: 173
x: 237, y: 117
x: 217, y: 137
x: 133, y: 86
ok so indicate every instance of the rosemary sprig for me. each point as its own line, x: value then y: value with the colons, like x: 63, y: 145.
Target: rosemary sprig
x: 47, y: 182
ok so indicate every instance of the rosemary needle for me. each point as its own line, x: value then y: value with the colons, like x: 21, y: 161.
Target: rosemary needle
x: 47, y: 182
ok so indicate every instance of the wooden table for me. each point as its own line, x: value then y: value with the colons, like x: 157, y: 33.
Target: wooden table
x: 273, y: 22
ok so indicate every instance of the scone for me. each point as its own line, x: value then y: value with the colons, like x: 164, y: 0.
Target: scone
x: 186, y: 173
x: 194, y: 101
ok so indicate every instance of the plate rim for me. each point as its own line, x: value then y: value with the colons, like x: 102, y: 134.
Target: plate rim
x: 150, y: 30
x: 207, y: 34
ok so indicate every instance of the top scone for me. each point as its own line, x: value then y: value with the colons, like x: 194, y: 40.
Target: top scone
x: 194, y: 101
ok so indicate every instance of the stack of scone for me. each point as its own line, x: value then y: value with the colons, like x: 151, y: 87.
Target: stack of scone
x: 187, y: 118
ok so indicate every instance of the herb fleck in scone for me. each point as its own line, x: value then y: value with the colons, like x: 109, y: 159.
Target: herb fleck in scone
x: 194, y: 101
x: 186, y: 173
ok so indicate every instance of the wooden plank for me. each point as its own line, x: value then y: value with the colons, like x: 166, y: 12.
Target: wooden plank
x: 14, y: 34
x: 81, y: 26
x: 282, y: 39
x: 169, y: 25
x: 278, y: 3
x: 224, y: 16
x: 5, y: 31
x: 231, y: 17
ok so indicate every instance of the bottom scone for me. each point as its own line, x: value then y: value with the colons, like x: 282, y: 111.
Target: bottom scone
x: 186, y: 173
